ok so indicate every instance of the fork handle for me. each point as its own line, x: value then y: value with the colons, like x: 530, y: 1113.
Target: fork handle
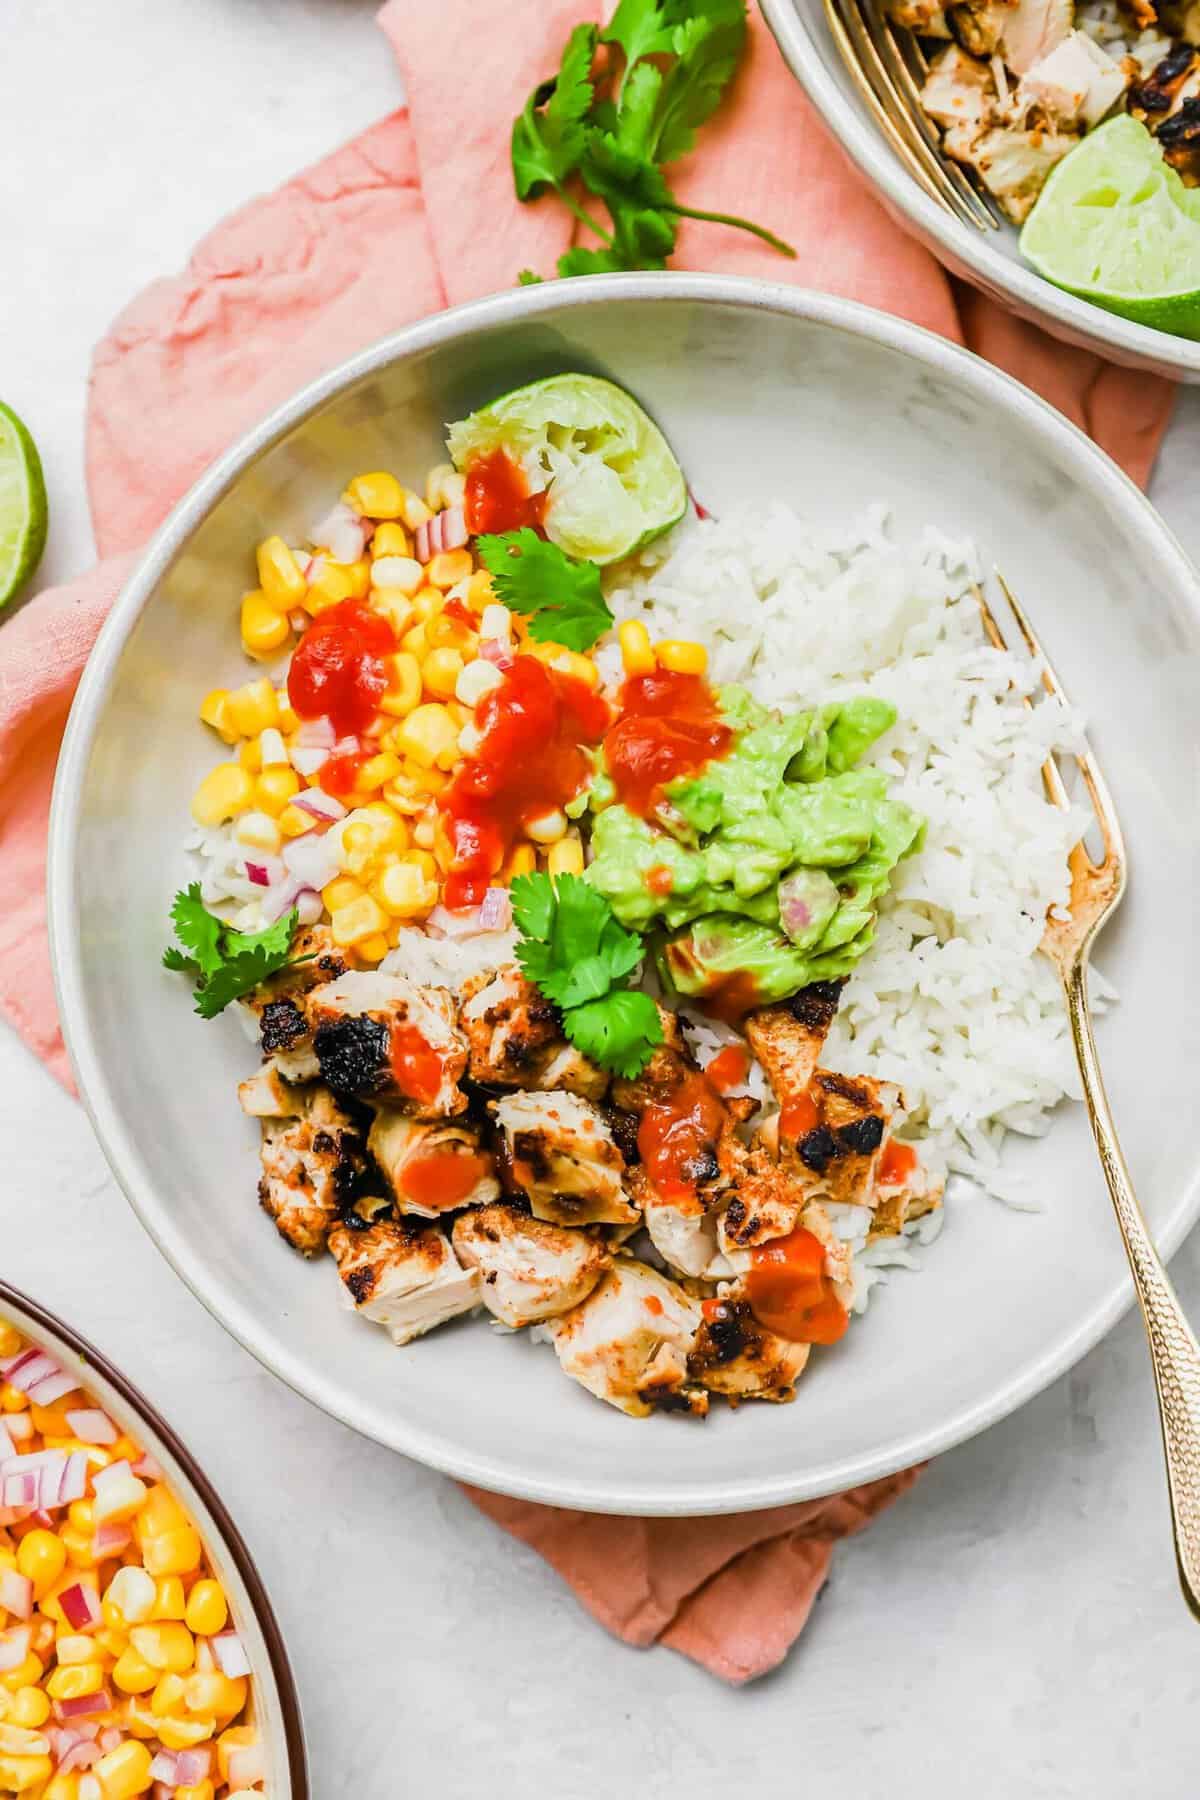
x: 1174, y: 1352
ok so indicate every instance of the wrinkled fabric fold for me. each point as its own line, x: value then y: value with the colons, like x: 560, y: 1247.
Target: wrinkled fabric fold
x: 414, y: 214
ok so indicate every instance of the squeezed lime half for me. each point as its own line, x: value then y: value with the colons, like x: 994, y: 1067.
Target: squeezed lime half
x: 23, y: 512
x: 1115, y: 225
x: 611, y: 480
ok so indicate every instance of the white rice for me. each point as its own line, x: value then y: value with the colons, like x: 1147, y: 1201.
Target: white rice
x: 953, y: 1001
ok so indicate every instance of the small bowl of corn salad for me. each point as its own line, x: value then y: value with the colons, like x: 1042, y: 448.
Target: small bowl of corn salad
x: 138, y: 1650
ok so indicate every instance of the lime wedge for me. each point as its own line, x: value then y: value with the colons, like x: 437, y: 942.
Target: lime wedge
x: 610, y: 479
x: 1115, y: 225
x: 22, y: 505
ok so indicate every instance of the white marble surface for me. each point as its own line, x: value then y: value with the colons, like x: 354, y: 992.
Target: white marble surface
x: 1013, y: 1627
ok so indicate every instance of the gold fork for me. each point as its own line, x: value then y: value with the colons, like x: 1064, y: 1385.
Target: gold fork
x: 1096, y: 890
x: 887, y: 65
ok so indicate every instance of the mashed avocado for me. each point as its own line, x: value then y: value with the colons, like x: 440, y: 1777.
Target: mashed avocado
x: 769, y: 863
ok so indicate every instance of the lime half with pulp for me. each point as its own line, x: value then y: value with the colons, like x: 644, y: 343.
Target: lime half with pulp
x: 1115, y: 225
x: 22, y: 505
x: 610, y: 478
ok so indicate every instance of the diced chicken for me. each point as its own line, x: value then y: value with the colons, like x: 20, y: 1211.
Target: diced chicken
x: 516, y: 1039
x: 788, y: 1039
x: 402, y: 1276
x: 897, y: 1204
x: 529, y: 1270
x: 379, y: 1037
x: 837, y: 1152
x: 312, y: 1166
x: 1022, y: 32
x: 768, y: 1201
x: 266, y: 1095
x: 1077, y: 82
x: 925, y: 17
x: 1012, y: 164
x: 978, y: 24
x: 561, y: 1152
x: 682, y: 1230
x: 712, y: 1160
x: 278, y: 1005
x: 629, y: 1342
x: 959, y: 90
x: 1169, y: 104
x: 432, y: 1168
x: 735, y: 1356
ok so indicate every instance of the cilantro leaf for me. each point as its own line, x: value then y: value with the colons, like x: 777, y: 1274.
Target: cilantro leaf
x: 708, y: 41
x: 562, y: 597
x: 581, y: 261
x: 547, y: 134
x: 640, y: 28
x: 619, y: 1032
x: 227, y: 963
x: 533, y: 905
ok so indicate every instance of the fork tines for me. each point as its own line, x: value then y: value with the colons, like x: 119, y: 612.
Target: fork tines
x: 887, y: 65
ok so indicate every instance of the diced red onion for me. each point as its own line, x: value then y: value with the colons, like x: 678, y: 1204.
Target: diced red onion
x: 278, y: 900
x: 454, y: 528
x: 51, y: 1388
x: 499, y: 654
x: 309, y: 906
x: 91, y: 1426
x: 7, y: 1444
x: 81, y: 1605
x: 247, y: 1764
x: 424, y: 540
x: 99, y: 1701
x: 342, y: 532
x: 118, y: 1472
x: 347, y: 746
x: 19, y: 1427
x: 110, y: 1737
x: 204, y: 1656
x: 81, y: 1755
x: 463, y: 922
x: 148, y: 1468
x: 313, y: 569
x: 20, y: 1490
x: 30, y: 1368
x: 14, y: 1647
x: 89, y: 1788
x: 163, y: 1768
x: 109, y: 1541
x: 257, y: 873
x: 312, y: 861
x: 320, y: 804
x: 74, y: 1481
x: 316, y: 734
x: 495, y: 914
x: 192, y: 1765
x: 307, y: 762
x: 230, y: 1654
x: 16, y: 1593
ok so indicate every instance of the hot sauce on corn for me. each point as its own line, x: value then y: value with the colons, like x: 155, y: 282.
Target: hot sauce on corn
x: 338, y: 669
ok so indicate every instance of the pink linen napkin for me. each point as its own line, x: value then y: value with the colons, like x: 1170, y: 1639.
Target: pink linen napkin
x: 415, y: 214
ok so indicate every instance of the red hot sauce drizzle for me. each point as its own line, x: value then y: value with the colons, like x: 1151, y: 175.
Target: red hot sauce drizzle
x: 497, y: 496
x: 669, y: 726
x: 338, y: 669
x: 678, y: 1135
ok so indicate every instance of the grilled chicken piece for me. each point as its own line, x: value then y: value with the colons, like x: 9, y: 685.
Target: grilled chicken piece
x: 668, y: 1064
x: 312, y: 1165
x: 1012, y: 163
x: 788, y: 1039
x: 516, y: 1039
x: 432, y: 1168
x: 837, y: 1156
x: 379, y: 1037
x: 402, y: 1276
x: 682, y: 1230
x: 1022, y: 32
x: 768, y: 1201
x: 1168, y: 103
x: 278, y: 1005
x: 736, y: 1356
x: 561, y: 1153
x: 266, y: 1095
x: 959, y: 90
x: 629, y: 1342
x: 925, y: 17
x: 529, y: 1270
x: 1076, y: 84
x: 713, y: 1161
x: 897, y: 1204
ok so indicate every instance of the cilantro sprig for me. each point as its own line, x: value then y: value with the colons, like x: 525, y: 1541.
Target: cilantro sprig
x: 616, y: 127
x: 580, y: 956
x: 561, y: 596
x: 225, y: 963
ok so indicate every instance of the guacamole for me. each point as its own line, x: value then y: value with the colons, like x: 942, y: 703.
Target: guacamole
x: 767, y: 864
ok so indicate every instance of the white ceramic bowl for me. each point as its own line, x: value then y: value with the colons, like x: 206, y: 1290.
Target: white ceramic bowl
x: 990, y: 259
x: 761, y: 390
x: 275, y: 1705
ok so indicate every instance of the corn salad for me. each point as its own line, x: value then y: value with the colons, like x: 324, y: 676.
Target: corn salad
x: 119, y: 1673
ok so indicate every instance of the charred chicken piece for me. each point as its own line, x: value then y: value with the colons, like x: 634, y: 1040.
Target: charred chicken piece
x: 1168, y: 103
x: 897, y: 1204
x: 788, y: 1039
x: 925, y: 17
x: 266, y: 1095
x: 1011, y: 162
x: 515, y: 1038
x: 403, y: 1276
x: 836, y: 1150
x: 431, y: 1167
x: 313, y: 1166
x: 382, y: 1038
x: 735, y: 1356
x: 561, y: 1153
x: 529, y: 1270
x: 279, y: 1004
x: 629, y: 1342
x: 768, y: 1201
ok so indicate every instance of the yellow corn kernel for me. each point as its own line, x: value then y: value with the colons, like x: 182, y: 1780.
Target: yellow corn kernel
x: 258, y: 831
x: 480, y: 592
x: 113, y: 1643
x: 161, y: 1512
x: 30, y: 1706
x: 430, y: 737
x: 372, y: 949
x: 272, y: 791
x: 207, y: 1609
x: 63, y: 1787
x: 332, y: 583
x: 170, y: 1602
x: 165, y: 1645
x: 566, y: 857
x: 522, y: 861
x: 416, y: 642
x: 637, y: 658
x: 433, y: 485
x: 11, y: 1401
x: 129, y: 1599
x: 75, y: 1647
x: 404, y: 795
x: 391, y: 539
x: 362, y: 918
x: 264, y: 628
x: 41, y: 1559
x: 210, y: 1691
x: 78, y: 1546
x: 403, y: 691
x: 360, y: 578
x: 440, y: 672
x: 174, y: 1553
x: 225, y: 791
x: 548, y: 827
x: 250, y: 756
x: 279, y: 574
x: 124, y: 1771
x: 427, y: 604
x: 293, y: 822
x: 26, y: 1674
x: 580, y: 667
x: 10, y: 1337
x: 168, y: 1695
x: 254, y: 708
x: 377, y: 770
x: 69, y: 1681
x: 445, y: 633
x: 237, y: 1737
x: 449, y: 567
x: 202, y: 1790
x: 681, y: 656
x: 133, y: 1674
x: 289, y: 720
x: 377, y: 495
x: 395, y: 606
x: 24, y: 1774
x: 405, y: 890
x: 341, y: 892
x: 214, y: 711
x: 181, y: 1734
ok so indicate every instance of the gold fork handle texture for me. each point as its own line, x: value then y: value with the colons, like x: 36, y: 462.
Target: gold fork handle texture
x: 1174, y: 1351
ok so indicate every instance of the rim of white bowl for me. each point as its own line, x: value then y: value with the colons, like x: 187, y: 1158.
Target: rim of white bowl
x: 691, y: 1498
x: 969, y: 252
